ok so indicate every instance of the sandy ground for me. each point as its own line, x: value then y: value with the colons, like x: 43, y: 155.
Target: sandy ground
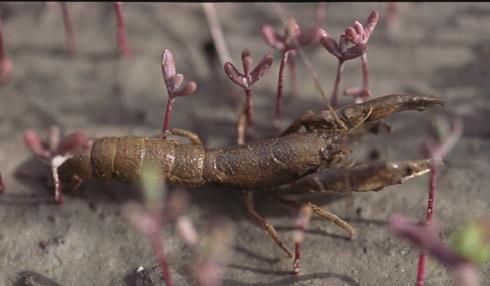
x: 440, y: 48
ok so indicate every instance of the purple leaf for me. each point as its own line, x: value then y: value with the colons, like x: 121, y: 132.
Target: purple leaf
x: 71, y: 143
x: 293, y: 30
x: 177, y: 81
x: 371, y: 23
x: 246, y: 61
x: 425, y: 238
x: 35, y: 144
x: 272, y: 38
x: 185, y: 90
x: 352, y: 36
x: 343, y: 42
x: 168, y: 68
x: 331, y: 45
x: 235, y: 76
x: 358, y: 27
x: 309, y: 37
x: 261, y: 68
x: 354, y: 52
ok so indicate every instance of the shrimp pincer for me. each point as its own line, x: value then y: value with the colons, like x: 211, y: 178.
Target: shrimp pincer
x: 365, y: 177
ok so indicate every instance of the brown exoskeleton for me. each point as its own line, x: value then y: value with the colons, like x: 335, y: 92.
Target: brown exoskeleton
x: 260, y: 165
x: 309, y: 160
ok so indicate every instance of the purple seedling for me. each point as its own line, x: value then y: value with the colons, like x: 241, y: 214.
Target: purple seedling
x: 5, y: 63
x: 357, y: 35
x: 437, y: 152
x: 151, y: 217
x: 288, y: 44
x: 302, y: 222
x: 248, y: 78
x: 360, y: 94
x: 321, y: 14
x: 2, y: 185
x: 149, y: 221
x: 154, y: 215
x: 426, y: 238
x: 55, y: 151
x: 392, y: 9
x: 210, y: 251
x: 211, y: 254
x: 187, y: 231
x: 175, y: 86
x: 69, y: 36
x: 121, y: 31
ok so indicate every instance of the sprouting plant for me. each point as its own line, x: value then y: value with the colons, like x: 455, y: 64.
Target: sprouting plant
x: 211, y: 253
x: 158, y: 210
x: 472, y: 241
x: 54, y: 151
x: 287, y: 44
x: 69, y: 36
x: 154, y: 214
x: 392, y: 9
x: 321, y: 14
x: 175, y: 85
x: 2, y: 185
x: 121, y: 31
x: 359, y: 37
x: 248, y: 78
x: 445, y: 138
x: 469, y: 246
x: 302, y: 221
x: 5, y: 63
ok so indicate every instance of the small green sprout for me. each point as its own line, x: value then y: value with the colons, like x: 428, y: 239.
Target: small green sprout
x: 154, y: 188
x: 473, y: 241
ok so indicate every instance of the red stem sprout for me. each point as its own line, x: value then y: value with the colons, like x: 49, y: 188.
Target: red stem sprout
x: 358, y: 35
x: 69, y: 36
x: 154, y: 214
x: 5, y: 63
x: 302, y: 222
x: 287, y: 44
x: 248, y: 78
x: 321, y: 14
x: 55, y: 151
x: 338, y: 74
x: 168, y: 113
x: 392, y: 9
x: 292, y: 73
x: 150, y: 222
x: 282, y: 67
x: 437, y: 152
x: 151, y: 218
x: 426, y: 237
x: 160, y: 256
x: 2, y: 186
x: 121, y: 31
x: 363, y: 93
x: 212, y: 253
x: 174, y: 84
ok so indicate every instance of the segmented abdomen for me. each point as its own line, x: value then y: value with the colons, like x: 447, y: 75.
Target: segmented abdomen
x: 124, y: 158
